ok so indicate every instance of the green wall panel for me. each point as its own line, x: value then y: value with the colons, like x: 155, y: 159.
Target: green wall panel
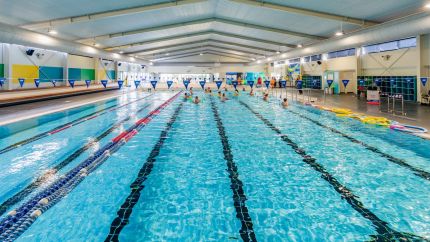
x: 88, y: 74
x: 75, y: 74
x: 48, y: 73
x: 1, y: 70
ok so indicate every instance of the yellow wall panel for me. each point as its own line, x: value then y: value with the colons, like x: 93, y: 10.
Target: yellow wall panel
x: 24, y: 71
x: 102, y: 75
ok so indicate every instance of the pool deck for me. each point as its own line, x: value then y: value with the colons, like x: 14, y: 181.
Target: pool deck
x: 416, y: 114
x: 20, y: 112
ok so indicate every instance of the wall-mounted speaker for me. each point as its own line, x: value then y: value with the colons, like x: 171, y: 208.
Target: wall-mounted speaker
x: 319, y: 62
x: 119, y: 63
x: 29, y: 52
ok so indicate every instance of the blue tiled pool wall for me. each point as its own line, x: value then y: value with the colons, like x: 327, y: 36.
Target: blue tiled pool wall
x: 404, y: 85
x: 313, y: 82
x: 12, y: 128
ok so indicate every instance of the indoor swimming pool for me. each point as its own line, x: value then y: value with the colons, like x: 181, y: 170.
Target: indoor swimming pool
x: 155, y: 167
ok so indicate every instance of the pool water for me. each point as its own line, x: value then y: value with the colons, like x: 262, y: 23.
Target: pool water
x: 243, y: 169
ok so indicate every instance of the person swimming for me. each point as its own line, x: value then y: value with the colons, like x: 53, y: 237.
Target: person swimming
x: 285, y: 103
x: 266, y: 97
x: 243, y: 89
x: 236, y: 93
x: 251, y: 93
x: 196, y: 100
x: 191, y: 91
x: 219, y: 94
x: 186, y: 96
x: 223, y: 98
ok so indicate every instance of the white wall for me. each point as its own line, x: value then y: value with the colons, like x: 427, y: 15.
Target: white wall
x: 82, y: 62
x: 204, y: 70
x: 403, y: 62
x: 40, y: 57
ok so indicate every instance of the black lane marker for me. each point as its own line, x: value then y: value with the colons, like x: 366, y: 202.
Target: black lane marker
x: 74, y: 122
x: 416, y: 171
x: 137, y: 185
x: 384, y: 231
x: 236, y: 185
x: 18, y: 197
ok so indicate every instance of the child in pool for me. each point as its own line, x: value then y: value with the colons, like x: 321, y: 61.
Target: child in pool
x: 196, y: 100
x: 285, y: 103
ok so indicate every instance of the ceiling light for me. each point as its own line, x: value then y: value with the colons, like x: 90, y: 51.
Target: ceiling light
x: 339, y: 33
x: 151, y: 63
x: 121, y: 52
x: 201, y: 53
x: 253, y: 59
x: 52, y: 31
x: 427, y: 5
x: 299, y: 46
x: 96, y: 45
x: 167, y: 54
x: 269, y: 59
x: 259, y: 61
x: 278, y: 52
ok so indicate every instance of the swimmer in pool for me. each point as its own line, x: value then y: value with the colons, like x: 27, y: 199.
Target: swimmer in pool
x: 285, y: 103
x: 266, y: 97
x: 243, y: 89
x: 219, y: 94
x: 236, y: 93
x: 186, y: 96
x: 224, y: 98
x: 251, y: 93
x: 196, y: 100
x: 191, y: 91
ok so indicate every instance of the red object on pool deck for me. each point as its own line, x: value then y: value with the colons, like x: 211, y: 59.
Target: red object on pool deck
x: 374, y: 103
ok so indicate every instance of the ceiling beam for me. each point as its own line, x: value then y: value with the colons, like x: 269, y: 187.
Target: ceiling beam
x: 228, y: 55
x: 201, y: 21
x: 107, y: 14
x: 195, y: 53
x: 163, y: 48
x: 307, y: 12
x: 199, y: 64
x: 207, y: 45
x: 236, y: 36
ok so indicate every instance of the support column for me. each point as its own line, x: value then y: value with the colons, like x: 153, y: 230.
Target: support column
x: 97, y: 63
x: 423, y: 65
x: 7, y: 67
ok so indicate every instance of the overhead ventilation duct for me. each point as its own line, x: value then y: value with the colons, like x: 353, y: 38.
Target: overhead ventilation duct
x: 15, y: 35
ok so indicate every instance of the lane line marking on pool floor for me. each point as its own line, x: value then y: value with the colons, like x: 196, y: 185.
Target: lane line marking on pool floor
x: 239, y: 196
x: 7, y: 204
x: 126, y: 209
x: 68, y: 125
x: 416, y: 171
x: 385, y: 232
x: 19, y: 220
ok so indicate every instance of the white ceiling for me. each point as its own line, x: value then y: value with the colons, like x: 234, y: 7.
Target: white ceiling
x: 24, y: 12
